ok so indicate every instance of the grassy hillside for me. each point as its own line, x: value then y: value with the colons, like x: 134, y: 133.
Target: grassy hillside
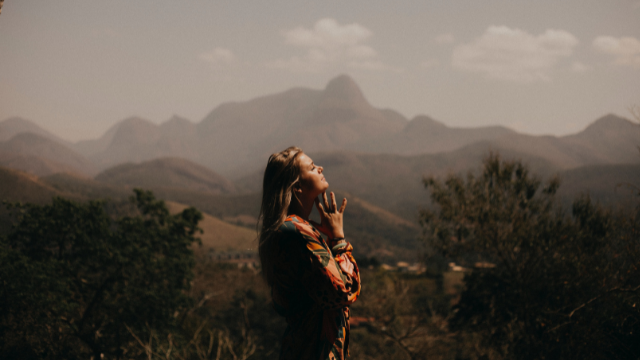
x: 219, y: 235
x: 374, y: 231
x: 608, y: 184
x: 385, y: 193
x: 42, y: 156
x: 32, y: 164
x: 86, y: 187
x: 394, y: 182
x: 424, y: 135
x: 17, y: 186
x: 167, y: 173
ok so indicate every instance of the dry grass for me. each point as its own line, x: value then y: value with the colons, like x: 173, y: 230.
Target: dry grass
x: 220, y: 235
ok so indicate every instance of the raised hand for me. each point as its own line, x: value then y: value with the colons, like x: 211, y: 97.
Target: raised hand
x: 330, y: 216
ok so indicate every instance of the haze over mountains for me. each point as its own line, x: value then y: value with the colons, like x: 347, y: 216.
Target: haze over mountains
x: 235, y: 139
x: 375, y: 156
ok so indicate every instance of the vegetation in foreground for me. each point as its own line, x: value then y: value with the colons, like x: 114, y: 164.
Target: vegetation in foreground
x: 559, y: 285
x: 83, y: 280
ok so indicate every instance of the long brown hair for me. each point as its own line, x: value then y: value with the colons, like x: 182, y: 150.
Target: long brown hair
x: 280, y: 176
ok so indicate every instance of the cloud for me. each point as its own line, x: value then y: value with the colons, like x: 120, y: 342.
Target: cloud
x: 445, y: 39
x: 579, y: 67
x: 218, y: 56
x: 327, y: 33
x: 625, y: 50
x: 329, y: 43
x: 514, y: 55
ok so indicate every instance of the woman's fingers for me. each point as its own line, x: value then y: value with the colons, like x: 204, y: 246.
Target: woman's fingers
x: 344, y: 205
x: 319, y: 206
x: 334, y: 207
x: 326, y: 202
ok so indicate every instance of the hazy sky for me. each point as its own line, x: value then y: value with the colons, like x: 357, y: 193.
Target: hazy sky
x: 77, y: 67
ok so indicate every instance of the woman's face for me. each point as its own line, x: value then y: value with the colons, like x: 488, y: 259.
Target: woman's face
x: 312, y: 182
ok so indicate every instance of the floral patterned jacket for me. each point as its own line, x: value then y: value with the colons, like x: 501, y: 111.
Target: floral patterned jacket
x: 314, y: 285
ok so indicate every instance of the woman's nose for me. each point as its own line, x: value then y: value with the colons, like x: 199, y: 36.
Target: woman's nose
x: 320, y: 169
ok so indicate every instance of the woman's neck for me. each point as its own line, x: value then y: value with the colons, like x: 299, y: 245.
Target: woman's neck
x: 301, y: 207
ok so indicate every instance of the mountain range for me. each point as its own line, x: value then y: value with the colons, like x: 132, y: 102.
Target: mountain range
x: 376, y: 157
x: 235, y: 139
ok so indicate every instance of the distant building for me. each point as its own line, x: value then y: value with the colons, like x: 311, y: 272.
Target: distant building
x: 484, y: 265
x: 456, y: 268
x: 405, y: 267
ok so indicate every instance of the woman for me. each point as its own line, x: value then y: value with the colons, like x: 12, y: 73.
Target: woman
x: 312, y: 281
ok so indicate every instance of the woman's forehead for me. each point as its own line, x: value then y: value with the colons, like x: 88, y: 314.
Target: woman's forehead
x: 304, y: 160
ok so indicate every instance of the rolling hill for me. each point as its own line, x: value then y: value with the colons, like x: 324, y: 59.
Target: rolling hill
x: 381, y: 217
x: 17, y: 186
x: 220, y: 236
x: 616, y: 185
x: 424, y: 135
x: 372, y: 229
x: 167, y: 173
x: 136, y: 139
x: 394, y: 182
x: 42, y: 156
x: 15, y: 125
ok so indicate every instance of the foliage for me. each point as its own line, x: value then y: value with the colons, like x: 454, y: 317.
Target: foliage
x: 74, y: 277
x: 232, y: 318
x: 563, y: 286
x: 406, y: 318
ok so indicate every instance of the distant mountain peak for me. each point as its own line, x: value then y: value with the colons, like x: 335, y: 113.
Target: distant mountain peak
x: 177, y: 124
x: 16, y: 125
x: 607, y: 123
x: 423, y: 123
x: 136, y: 121
x: 177, y: 119
x: 344, y: 90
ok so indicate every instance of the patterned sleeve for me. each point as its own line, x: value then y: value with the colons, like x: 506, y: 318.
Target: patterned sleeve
x: 332, y: 278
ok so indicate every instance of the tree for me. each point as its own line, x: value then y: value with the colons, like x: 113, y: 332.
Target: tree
x: 547, y: 284
x: 74, y: 277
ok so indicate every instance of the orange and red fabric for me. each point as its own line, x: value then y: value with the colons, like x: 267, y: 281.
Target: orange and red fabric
x: 314, y: 285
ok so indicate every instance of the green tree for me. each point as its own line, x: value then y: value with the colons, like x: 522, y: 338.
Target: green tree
x: 558, y: 285
x: 74, y: 277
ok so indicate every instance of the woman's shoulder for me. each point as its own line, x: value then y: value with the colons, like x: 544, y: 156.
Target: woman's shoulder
x: 294, y: 224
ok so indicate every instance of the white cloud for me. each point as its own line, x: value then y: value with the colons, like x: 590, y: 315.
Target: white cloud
x: 625, y: 50
x: 218, y: 56
x: 445, y: 39
x: 329, y: 43
x: 514, y: 55
x: 327, y: 33
x: 579, y: 67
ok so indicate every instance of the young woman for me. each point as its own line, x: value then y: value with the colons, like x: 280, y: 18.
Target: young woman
x: 312, y: 281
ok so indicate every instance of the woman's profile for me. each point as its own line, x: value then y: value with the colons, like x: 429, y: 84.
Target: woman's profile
x: 312, y: 281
